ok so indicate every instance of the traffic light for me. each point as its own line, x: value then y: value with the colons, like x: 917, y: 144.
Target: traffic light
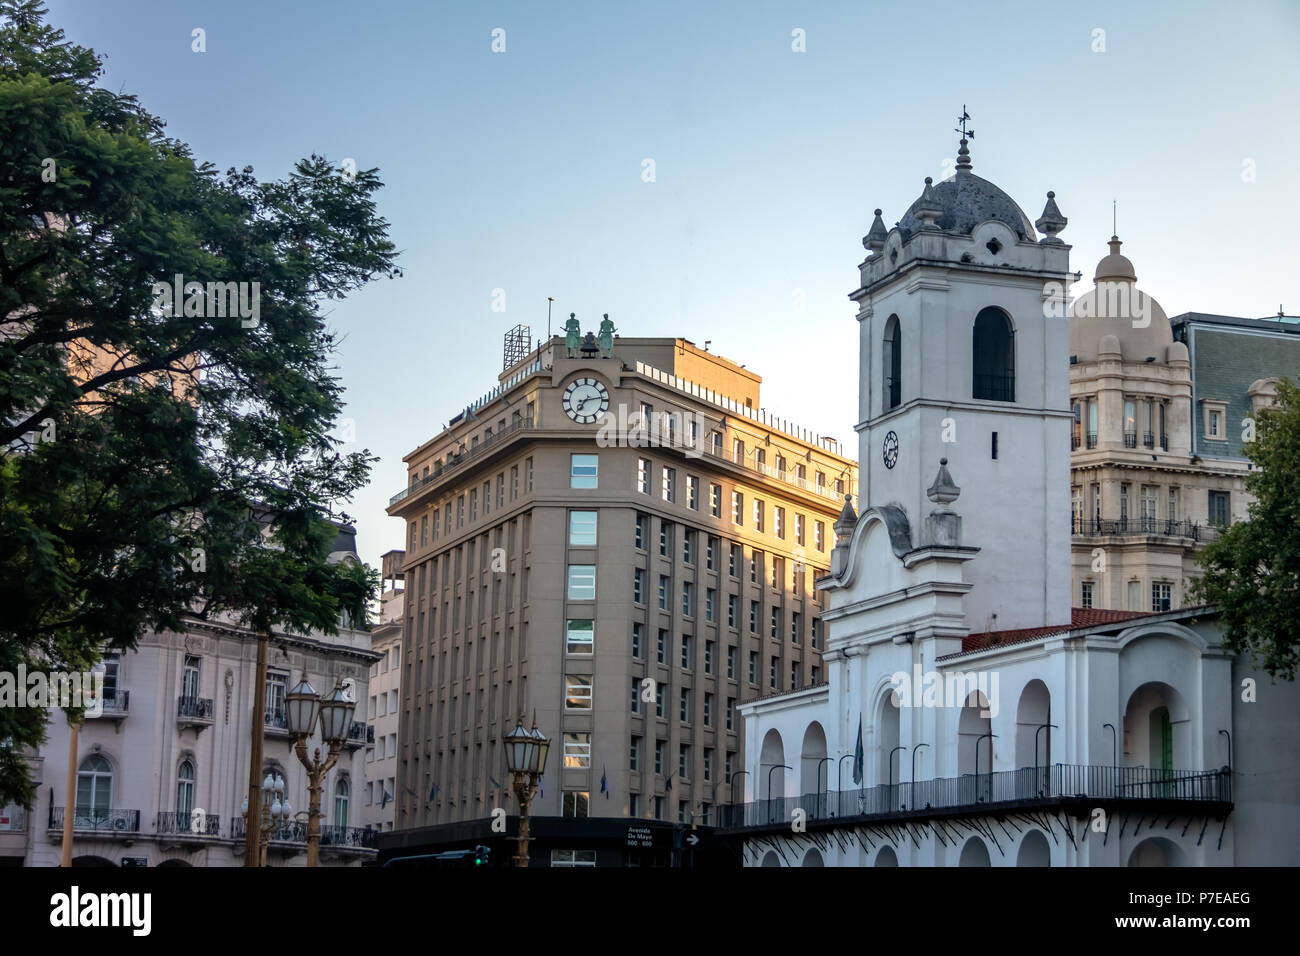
x: 482, y: 855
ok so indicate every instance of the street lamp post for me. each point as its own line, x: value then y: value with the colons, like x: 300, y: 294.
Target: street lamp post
x: 335, y: 714
x: 525, y: 759
x: 274, y: 810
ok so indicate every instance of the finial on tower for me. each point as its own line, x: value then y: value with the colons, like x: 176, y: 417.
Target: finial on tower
x: 963, y: 154
x: 875, y: 239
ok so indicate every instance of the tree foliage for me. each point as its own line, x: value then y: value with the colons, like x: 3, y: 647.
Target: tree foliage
x: 1252, y: 573
x: 160, y: 462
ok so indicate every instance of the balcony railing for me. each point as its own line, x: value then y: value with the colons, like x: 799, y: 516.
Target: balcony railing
x: 292, y: 832
x: 995, y: 388
x: 1092, y: 439
x: 787, y: 476
x: 116, y: 703
x: 340, y: 836
x: 1148, y: 440
x: 277, y: 720
x: 370, y: 734
x: 453, y: 463
x: 1130, y: 439
x: 195, y: 708
x: 1164, y: 442
x: 85, y: 819
x: 977, y: 791
x: 190, y: 824
x: 1179, y: 528
x: 357, y: 734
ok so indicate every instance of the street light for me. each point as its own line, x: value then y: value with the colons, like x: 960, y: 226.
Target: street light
x: 526, y: 752
x: 275, y: 812
x: 335, y: 712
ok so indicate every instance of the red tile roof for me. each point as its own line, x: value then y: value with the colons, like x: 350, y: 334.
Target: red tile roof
x: 1080, y: 617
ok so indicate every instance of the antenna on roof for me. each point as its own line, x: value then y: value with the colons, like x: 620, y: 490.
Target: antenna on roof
x: 1114, y: 217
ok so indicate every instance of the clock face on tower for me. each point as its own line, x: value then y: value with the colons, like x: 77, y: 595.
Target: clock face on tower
x: 890, y: 449
x: 586, y: 400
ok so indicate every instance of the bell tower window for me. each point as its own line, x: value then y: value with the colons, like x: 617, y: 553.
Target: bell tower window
x: 892, y: 364
x: 993, y: 357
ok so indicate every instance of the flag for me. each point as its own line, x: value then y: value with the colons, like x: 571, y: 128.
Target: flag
x: 493, y: 781
x: 604, y: 784
x: 857, y: 755
x: 384, y: 801
x: 668, y: 784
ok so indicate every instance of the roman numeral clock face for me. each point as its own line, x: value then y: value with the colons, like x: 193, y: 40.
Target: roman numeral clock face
x: 586, y: 400
x: 889, y: 449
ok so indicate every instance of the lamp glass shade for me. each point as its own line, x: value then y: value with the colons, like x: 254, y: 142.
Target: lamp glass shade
x: 519, y: 748
x: 302, y: 708
x: 336, y: 716
x: 244, y: 806
x: 286, y: 811
x: 268, y: 782
x: 537, y: 756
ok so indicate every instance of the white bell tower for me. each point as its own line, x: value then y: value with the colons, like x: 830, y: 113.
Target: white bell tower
x: 964, y: 356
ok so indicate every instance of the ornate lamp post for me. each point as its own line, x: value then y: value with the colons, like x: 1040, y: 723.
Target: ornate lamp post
x: 525, y: 759
x: 335, y: 713
x: 275, y: 813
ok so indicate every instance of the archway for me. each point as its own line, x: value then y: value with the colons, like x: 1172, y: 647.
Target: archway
x: 886, y: 857
x: 1033, y: 740
x: 813, y: 771
x: 975, y: 748
x: 813, y: 858
x: 91, y: 861
x: 890, y: 767
x: 891, y: 365
x: 1157, y: 851
x: 993, y: 357
x: 771, y: 775
x: 771, y: 859
x: 175, y: 863
x: 1156, y: 741
x: 1034, y: 850
x: 974, y: 853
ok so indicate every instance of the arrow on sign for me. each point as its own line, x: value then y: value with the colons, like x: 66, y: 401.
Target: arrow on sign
x: 692, y: 839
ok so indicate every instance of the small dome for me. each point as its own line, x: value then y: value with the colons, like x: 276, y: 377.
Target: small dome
x: 965, y: 201
x: 1115, y: 267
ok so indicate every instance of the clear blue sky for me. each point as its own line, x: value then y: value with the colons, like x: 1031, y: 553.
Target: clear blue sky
x: 522, y: 170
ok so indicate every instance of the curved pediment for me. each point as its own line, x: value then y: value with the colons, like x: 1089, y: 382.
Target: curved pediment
x: 881, y: 537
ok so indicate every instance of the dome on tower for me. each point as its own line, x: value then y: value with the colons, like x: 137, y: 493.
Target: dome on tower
x: 1115, y: 318
x: 965, y: 201
x: 1115, y: 267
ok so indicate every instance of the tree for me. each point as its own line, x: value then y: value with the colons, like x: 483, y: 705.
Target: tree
x: 1252, y: 573
x: 160, y: 454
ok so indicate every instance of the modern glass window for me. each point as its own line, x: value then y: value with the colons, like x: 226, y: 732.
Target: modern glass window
x: 642, y: 526
x: 819, y: 535
x: 643, y: 467
x: 688, y: 596
x: 572, y: 858
x: 686, y: 653
x: 184, y: 793
x: 669, y: 484
x: 582, y: 582
x: 715, y: 500
x: 663, y: 592
x: 577, y: 692
x: 583, y: 471
x: 579, y: 636
x: 577, y: 750
x: 737, y: 508
x: 638, y: 586
x: 693, y: 492
x: 582, y: 528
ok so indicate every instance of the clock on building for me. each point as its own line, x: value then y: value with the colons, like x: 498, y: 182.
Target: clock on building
x: 890, y: 449
x: 586, y: 400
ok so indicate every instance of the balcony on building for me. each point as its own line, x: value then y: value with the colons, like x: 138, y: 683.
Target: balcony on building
x: 456, y: 460
x: 359, y: 734
x: 116, y: 705
x: 1092, y: 439
x: 1130, y: 439
x: 277, y: 722
x: 196, y: 712
x: 1075, y: 789
x: 288, y: 839
x: 1157, y: 527
x: 192, y: 827
x: 348, y: 841
x: 89, y: 820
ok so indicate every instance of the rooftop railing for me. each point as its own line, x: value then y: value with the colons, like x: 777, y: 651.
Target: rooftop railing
x: 1178, y: 528
x: 456, y: 461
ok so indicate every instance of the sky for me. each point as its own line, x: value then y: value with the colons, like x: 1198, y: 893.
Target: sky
x: 516, y: 175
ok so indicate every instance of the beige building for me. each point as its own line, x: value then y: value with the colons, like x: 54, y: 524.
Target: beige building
x: 625, y: 546
x: 380, y: 804
x: 162, y: 773
x: 1143, y: 499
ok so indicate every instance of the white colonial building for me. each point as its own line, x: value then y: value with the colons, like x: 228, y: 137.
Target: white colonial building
x: 971, y: 716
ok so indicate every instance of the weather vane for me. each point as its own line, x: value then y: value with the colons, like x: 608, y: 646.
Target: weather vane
x: 963, y: 119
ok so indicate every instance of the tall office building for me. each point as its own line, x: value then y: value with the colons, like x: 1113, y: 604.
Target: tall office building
x: 624, y: 545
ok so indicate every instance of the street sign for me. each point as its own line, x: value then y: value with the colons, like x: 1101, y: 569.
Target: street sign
x: 692, y: 839
x: 135, y: 861
x: 640, y: 837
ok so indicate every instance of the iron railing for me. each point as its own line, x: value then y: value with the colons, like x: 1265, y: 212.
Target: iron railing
x: 195, y: 823
x: 975, y: 791
x: 1092, y: 439
x: 454, y: 462
x: 98, y: 821
x: 341, y: 836
x: 995, y: 388
x: 276, y: 720
x: 116, y: 701
x: 1177, y: 528
x: 198, y: 708
x: 1130, y: 439
x: 1164, y: 442
x: 1148, y: 440
x: 357, y: 734
x: 295, y: 831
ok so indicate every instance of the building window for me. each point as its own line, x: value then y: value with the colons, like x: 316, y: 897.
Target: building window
x: 661, y: 648
x: 755, y: 566
x: 528, y: 473
x: 659, y: 700
x: 582, y: 582
x: 687, y: 596
x: 709, y: 597
x: 794, y: 674
x: 715, y: 500
x: 731, y: 714
x: 577, y: 692
x: 737, y: 508
x: 683, y: 762
x: 798, y: 529
x: 688, y: 546
x: 1085, y: 597
x: 634, y: 754
x: 693, y: 492
x: 1220, y: 512
x: 753, y: 667
x: 775, y: 624
x: 643, y: 467
x: 733, y: 561
x: 1160, y: 596
x: 638, y: 586
x: 892, y: 364
x: 794, y: 627
x: 659, y: 756
x: 738, y: 451
x: 94, y: 792
x: 1135, y: 595
x: 473, y: 504
x: 993, y: 357
x: 759, y: 509
x: 708, y: 657
x: 686, y: 653
x: 342, y: 797
x: 580, y: 636
x: 771, y: 672
x: 778, y: 572
x: 583, y: 471
x: 669, y: 484
x: 665, y: 537
x: 514, y: 482
x: 638, y: 632
x: 708, y: 775
x: 711, y: 553
x: 641, y: 523
x: 575, y: 803
x: 634, y: 804
x: 819, y: 536
x: 753, y: 617
x: 275, y: 694
x: 577, y: 749
x: 190, y: 679
x: 636, y: 696
x: 663, y: 593
x: 184, y: 793
x: 731, y: 610
x: 573, y: 858
x: 684, y: 705
x: 778, y: 521
x: 731, y: 663
x: 582, y: 529
x: 708, y: 710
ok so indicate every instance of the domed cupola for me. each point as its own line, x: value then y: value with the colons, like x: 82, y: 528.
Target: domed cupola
x: 1115, y: 267
x: 962, y: 203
